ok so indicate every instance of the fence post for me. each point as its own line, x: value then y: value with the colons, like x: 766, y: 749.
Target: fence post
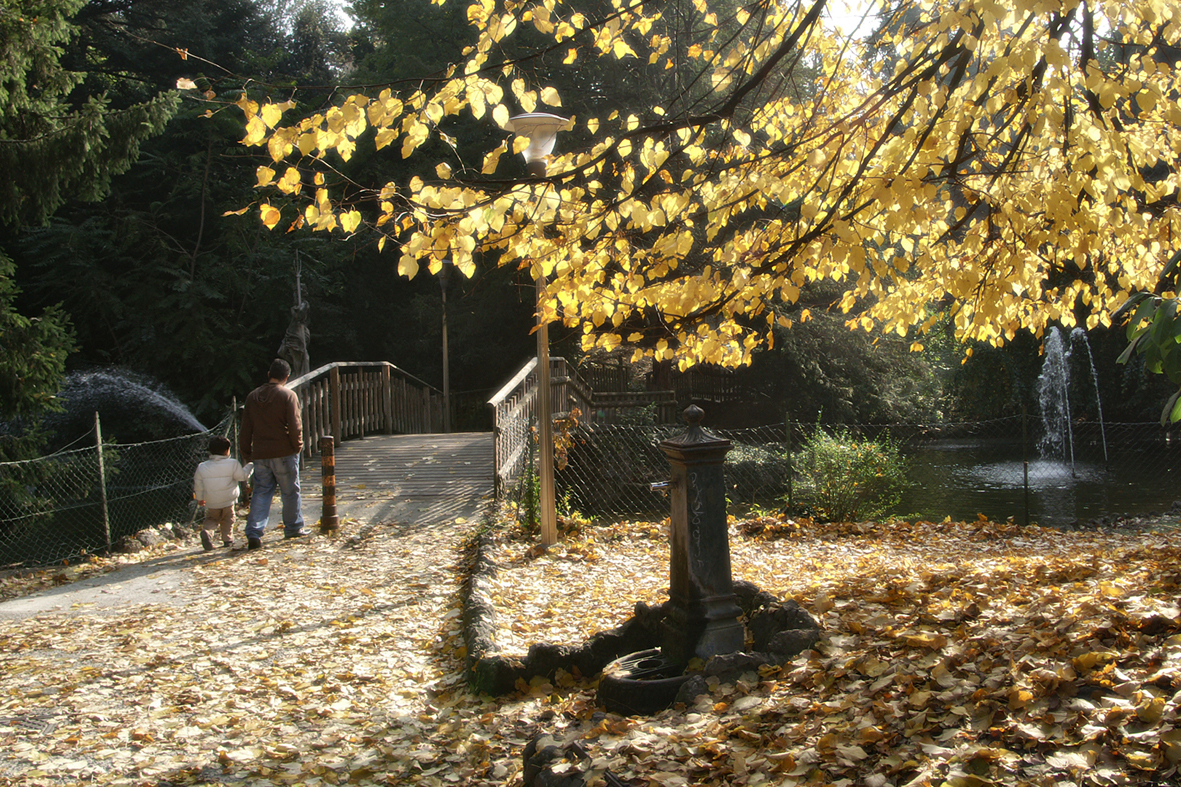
x: 234, y: 428
x: 791, y: 471
x: 328, y: 519
x: 387, y: 400
x: 102, y: 480
x: 334, y: 402
x: 359, y: 401
x: 1025, y: 459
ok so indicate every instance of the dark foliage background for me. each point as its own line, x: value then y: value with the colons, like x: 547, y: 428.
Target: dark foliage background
x: 155, y: 278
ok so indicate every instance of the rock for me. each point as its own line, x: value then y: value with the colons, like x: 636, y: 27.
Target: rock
x: 495, y: 675
x: 690, y: 690
x: 149, y: 537
x: 750, y: 597
x: 546, y: 659
x: 479, y: 624
x: 731, y: 666
x: 787, y: 616
x: 634, y: 634
x: 548, y: 778
x: 129, y: 545
x: 786, y: 645
x: 637, y: 633
x: 541, y: 754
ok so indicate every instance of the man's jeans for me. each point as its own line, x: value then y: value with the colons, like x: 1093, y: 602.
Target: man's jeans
x: 269, y: 473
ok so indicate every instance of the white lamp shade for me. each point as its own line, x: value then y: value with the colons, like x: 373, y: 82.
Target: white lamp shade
x: 541, y: 129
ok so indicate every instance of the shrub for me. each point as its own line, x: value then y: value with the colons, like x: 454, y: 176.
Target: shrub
x: 756, y: 473
x: 845, y: 479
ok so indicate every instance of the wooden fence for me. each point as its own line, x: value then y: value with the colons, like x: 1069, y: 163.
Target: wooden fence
x: 350, y: 400
x: 698, y: 383
x: 706, y: 383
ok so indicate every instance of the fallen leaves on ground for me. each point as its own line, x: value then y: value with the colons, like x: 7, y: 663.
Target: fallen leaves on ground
x: 25, y: 581
x: 952, y: 653
x: 316, y: 661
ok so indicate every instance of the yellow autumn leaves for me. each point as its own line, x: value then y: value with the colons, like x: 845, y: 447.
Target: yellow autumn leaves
x: 914, y: 679
x: 990, y: 159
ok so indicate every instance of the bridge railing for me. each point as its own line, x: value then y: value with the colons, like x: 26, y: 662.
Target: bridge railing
x: 515, y: 412
x: 351, y: 399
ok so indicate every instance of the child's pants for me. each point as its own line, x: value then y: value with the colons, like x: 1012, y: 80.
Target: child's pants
x: 224, y: 517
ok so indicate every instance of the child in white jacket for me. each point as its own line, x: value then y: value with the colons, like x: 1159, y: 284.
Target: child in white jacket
x: 215, y: 485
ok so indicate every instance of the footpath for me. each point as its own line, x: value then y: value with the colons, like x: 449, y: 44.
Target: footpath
x: 235, y: 666
x: 393, y: 489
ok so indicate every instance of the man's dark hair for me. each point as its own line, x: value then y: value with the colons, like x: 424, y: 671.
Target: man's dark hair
x: 280, y: 369
x: 219, y: 445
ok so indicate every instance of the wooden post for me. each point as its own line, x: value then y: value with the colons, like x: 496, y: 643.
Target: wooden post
x: 328, y: 519
x: 362, y: 401
x: 547, y: 510
x: 387, y: 403
x: 334, y: 404
x: 399, y: 404
x: 102, y: 480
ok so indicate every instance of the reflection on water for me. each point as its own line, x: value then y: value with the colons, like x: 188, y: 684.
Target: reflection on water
x: 964, y: 478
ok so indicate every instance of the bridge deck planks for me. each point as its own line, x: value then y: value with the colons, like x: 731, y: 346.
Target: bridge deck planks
x: 409, y: 478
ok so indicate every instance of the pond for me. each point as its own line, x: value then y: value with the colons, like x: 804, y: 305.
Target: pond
x: 964, y: 478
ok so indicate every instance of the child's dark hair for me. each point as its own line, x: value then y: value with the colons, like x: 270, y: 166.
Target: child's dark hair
x: 219, y: 445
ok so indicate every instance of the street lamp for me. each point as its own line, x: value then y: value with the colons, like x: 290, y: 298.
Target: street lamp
x: 444, y: 269
x: 541, y: 129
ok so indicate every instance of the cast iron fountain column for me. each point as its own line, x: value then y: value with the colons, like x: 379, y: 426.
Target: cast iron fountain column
x: 703, y: 618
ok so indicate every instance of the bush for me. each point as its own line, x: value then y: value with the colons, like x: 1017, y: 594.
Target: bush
x: 845, y: 479
x: 756, y: 473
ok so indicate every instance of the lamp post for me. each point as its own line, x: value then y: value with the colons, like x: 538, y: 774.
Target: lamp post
x: 541, y: 129
x: 444, y: 269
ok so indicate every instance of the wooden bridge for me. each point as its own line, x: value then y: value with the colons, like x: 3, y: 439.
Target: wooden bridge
x: 421, y: 478
x: 393, y: 463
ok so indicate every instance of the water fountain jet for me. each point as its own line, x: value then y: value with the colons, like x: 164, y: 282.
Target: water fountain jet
x: 1057, y: 440
x: 133, y: 407
x: 1078, y: 335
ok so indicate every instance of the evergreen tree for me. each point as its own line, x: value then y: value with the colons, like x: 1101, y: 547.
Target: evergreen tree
x: 56, y: 143
x: 155, y: 276
x: 33, y: 352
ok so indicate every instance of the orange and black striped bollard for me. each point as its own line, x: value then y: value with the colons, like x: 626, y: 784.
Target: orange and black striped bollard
x: 328, y: 519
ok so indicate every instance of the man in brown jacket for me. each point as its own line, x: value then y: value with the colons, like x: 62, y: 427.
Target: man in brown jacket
x: 272, y: 437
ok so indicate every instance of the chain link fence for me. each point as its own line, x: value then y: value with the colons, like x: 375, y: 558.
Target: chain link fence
x: 992, y: 468
x: 85, y: 500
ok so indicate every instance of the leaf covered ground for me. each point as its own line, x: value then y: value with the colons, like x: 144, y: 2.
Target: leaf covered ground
x: 952, y: 653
